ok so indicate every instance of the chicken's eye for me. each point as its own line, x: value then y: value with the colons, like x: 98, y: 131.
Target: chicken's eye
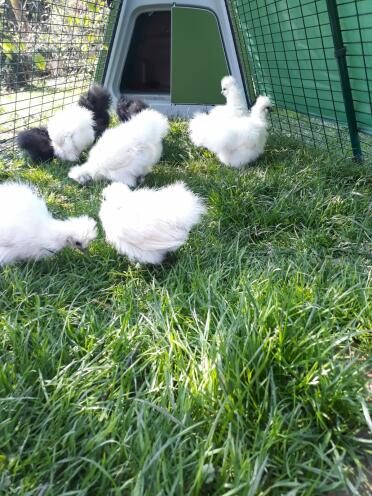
x: 77, y: 243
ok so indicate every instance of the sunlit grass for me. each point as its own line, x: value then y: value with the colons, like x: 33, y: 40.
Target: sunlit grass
x: 236, y: 368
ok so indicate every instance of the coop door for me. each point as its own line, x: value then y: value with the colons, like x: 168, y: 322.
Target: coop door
x: 198, y: 57
x: 147, y: 67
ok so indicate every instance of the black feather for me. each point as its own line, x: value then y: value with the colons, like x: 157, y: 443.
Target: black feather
x: 98, y: 100
x: 36, y: 143
x: 127, y: 108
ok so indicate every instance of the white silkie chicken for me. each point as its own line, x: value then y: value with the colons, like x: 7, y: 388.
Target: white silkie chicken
x: 29, y: 232
x: 126, y: 152
x: 146, y: 224
x: 69, y: 131
x: 236, y: 106
x: 235, y: 136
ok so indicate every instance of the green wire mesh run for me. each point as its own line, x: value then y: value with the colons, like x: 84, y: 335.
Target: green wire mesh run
x: 287, y: 50
x: 49, y: 51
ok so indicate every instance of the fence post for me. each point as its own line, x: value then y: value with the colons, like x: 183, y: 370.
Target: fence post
x: 340, y: 54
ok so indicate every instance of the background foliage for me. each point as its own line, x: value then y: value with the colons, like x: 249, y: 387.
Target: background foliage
x: 48, y: 57
x: 47, y: 39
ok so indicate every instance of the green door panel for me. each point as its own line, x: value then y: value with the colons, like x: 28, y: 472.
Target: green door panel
x: 198, y: 57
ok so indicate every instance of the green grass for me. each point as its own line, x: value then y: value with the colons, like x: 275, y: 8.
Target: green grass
x: 236, y: 368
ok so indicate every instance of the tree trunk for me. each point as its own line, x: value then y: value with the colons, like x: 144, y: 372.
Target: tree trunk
x: 19, y: 15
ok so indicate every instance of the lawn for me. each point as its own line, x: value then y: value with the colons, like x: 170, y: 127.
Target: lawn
x: 238, y: 367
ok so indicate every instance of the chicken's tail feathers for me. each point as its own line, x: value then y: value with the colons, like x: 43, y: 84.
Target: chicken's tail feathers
x: 98, y: 101
x: 36, y: 143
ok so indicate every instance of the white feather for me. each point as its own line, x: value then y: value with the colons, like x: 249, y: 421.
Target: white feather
x: 236, y: 104
x: 28, y: 230
x: 71, y: 131
x: 146, y: 224
x: 127, y: 151
x: 234, y: 135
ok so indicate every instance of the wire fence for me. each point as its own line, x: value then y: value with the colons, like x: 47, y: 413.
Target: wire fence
x: 314, y: 59
x: 49, y: 50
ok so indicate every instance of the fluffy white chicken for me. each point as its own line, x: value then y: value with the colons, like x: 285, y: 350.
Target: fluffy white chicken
x: 146, y: 224
x: 126, y: 152
x: 28, y: 231
x: 69, y: 131
x: 236, y: 140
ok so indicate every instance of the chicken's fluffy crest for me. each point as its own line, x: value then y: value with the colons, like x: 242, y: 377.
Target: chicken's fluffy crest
x: 80, y: 231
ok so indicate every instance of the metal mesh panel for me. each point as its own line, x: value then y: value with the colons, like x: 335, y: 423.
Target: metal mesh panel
x: 287, y: 49
x: 48, y: 57
x: 104, y: 55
